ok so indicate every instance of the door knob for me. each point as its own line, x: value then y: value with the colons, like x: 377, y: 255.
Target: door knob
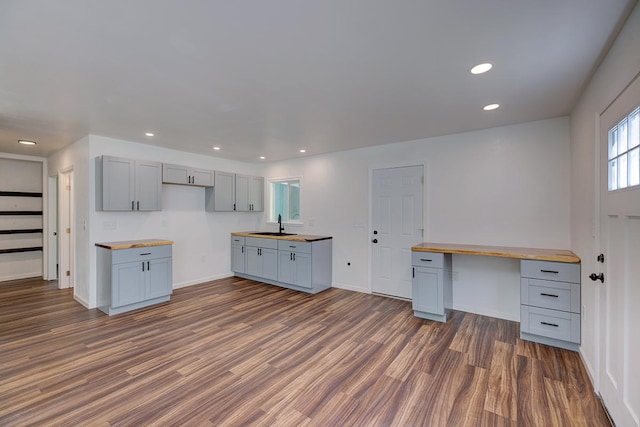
x: 594, y: 277
x: 375, y: 240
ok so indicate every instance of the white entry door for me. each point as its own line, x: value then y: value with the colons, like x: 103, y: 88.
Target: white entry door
x: 619, y: 370
x: 396, y: 226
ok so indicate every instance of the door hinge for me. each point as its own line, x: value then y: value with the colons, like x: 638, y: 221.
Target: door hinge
x: 68, y: 188
x: 68, y: 273
x: 67, y: 230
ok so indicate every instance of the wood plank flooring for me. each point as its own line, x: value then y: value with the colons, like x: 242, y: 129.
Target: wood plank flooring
x: 235, y: 352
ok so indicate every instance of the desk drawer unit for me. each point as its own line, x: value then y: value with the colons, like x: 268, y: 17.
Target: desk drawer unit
x: 427, y: 259
x: 550, y: 303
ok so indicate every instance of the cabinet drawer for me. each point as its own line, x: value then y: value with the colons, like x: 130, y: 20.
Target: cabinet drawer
x: 548, y: 270
x: 291, y: 246
x: 427, y: 259
x: 548, y: 294
x: 550, y: 323
x: 237, y: 240
x: 137, y: 254
x: 259, y: 242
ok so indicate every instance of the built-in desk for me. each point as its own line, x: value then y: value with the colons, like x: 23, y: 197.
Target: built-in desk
x: 549, y: 288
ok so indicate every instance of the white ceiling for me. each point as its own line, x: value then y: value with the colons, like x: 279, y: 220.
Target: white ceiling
x: 268, y: 77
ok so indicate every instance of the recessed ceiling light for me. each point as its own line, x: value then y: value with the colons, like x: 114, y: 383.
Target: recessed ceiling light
x: 149, y: 134
x: 481, y: 68
x: 216, y: 148
x: 262, y: 157
x: 25, y: 142
x: 303, y: 151
x: 490, y: 107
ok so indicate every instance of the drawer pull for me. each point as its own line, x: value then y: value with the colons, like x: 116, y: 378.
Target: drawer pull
x: 550, y: 271
x: 548, y: 295
x: 426, y: 260
x: 549, y: 324
x: 146, y: 253
x: 292, y: 246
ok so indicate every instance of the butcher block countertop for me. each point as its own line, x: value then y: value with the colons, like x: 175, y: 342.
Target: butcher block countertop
x: 128, y: 244
x: 559, y: 255
x: 290, y: 237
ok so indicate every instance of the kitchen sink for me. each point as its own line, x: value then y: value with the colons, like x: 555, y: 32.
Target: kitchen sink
x: 272, y: 233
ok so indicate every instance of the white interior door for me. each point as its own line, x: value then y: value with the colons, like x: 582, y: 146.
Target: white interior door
x: 397, y: 195
x: 65, y: 230
x: 619, y: 370
x: 52, y: 238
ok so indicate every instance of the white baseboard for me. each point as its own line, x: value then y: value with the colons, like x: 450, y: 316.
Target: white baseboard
x: 490, y: 313
x: 82, y: 301
x: 201, y: 280
x: 350, y: 288
x: 20, y: 276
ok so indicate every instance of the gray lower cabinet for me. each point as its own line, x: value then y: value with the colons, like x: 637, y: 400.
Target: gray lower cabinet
x: 294, y: 263
x: 133, y: 278
x: 550, y: 303
x: 237, y: 254
x: 261, y: 257
x: 302, y: 266
x: 432, y: 291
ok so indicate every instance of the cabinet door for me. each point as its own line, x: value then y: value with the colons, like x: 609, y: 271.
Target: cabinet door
x: 427, y: 289
x: 254, y: 262
x: 286, y: 268
x: 256, y: 193
x: 237, y: 258
x: 269, y: 263
x: 117, y: 183
x: 148, y: 186
x: 302, y: 266
x: 175, y: 174
x: 158, y: 280
x: 221, y: 197
x: 202, y: 177
x: 242, y: 193
x: 128, y: 283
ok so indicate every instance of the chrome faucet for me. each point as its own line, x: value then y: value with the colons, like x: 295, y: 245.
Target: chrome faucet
x: 280, y: 227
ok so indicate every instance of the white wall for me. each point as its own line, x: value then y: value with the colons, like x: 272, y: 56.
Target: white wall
x: 76, y: 157
x: 20, y: 173
x: 505, y: 186
x: 202, y: 242
x: 618, y: 69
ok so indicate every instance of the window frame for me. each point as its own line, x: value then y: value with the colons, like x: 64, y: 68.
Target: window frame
x: 615, y: 161
x: 271, y: 219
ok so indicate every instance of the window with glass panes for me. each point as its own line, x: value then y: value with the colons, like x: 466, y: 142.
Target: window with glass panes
x: 624, y: 152
x: 285, y: 200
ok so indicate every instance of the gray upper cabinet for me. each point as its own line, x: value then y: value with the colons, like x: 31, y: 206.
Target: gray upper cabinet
x: 221, y: 198
x: 183, y: 175
x: 249, y: 193
x: 131, y: 185
x: 235, y: 192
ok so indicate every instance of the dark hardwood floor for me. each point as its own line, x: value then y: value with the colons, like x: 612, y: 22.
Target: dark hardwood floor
x: 237, y: 352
